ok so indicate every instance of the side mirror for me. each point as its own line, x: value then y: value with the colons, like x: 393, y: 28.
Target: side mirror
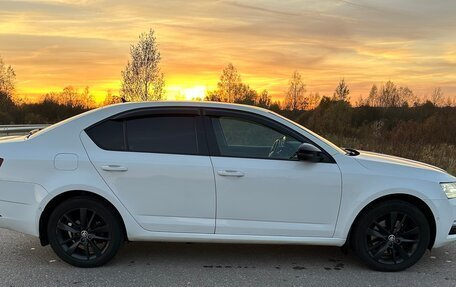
x: 309, y: 152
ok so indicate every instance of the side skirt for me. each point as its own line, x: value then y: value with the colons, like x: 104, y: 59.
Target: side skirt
x: 228, y: 238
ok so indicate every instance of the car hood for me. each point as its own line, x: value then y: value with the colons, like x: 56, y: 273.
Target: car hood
x: 397, y: 166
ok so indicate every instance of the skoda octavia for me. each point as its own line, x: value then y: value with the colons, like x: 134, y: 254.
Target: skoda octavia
x: 212, y: 172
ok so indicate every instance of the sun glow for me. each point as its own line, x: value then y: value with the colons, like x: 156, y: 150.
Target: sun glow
x: 195, y: 93
x: 192, y: 93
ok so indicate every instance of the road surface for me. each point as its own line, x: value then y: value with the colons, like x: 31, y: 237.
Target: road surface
x: 23, y: 262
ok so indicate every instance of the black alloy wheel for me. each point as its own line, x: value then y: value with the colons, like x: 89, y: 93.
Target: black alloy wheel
x: 391, y: 236
x: 84, y: 232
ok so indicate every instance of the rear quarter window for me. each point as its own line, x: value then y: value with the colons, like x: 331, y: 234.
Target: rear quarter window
x: 108, y: 135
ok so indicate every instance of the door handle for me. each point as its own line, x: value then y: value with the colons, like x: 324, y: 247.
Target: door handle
x: 113, y: 167
x: 233, y: 173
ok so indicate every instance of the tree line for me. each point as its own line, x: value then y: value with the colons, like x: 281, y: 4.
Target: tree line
x: 391, y: 111
x: 390, y: 119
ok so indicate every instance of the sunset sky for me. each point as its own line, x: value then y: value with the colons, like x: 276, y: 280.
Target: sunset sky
x: 56, y: 43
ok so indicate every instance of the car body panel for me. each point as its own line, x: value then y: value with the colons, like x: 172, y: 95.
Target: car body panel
x: 164, y: 192
x: 277, y: 197
x: 19, y: 203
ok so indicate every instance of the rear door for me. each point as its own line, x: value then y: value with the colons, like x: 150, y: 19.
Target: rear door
x: 155, y: 161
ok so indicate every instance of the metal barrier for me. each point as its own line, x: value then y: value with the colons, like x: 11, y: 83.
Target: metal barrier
x: 12, y: 130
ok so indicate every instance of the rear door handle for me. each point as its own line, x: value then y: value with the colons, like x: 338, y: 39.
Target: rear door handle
x: 113, y: 167
x: 233, y: 173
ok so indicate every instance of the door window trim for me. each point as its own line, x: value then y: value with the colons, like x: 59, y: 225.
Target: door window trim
x: 209, y: 113
x: 202, y: 147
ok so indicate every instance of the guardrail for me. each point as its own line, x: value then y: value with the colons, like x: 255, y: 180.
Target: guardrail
x: 13, y: 130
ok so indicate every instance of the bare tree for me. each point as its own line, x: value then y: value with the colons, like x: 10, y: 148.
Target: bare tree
x: 69, y: 96
x: 342, y: 91
x: 313, y: 100
x: 391, y: 95
x: 388, y: 96
x: 86, y: 99
x: 264, y: 99
x: 142, y: 79
x: 212, y: 96
x: 110, y: 98
x: 245, y: 95
x: 372, y: 99
x: 294, y: 99
x: 7, y: 79
x: 406, y: 96
x: 437, y: 97
x: 231, y: 89
x: 229, y: 85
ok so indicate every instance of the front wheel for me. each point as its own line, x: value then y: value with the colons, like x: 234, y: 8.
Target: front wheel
x: 84, y: 232
x: 391, y: 236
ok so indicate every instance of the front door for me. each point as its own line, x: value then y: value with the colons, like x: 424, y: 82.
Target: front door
x: 262, y: 189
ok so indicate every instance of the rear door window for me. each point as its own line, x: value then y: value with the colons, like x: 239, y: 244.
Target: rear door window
x: 162, y: 134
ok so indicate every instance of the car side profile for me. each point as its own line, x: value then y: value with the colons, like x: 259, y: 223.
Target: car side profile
x: 213, y: 172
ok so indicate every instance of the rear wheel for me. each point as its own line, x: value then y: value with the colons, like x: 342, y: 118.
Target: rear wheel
x: 391, y: 236
x: 84, y: 232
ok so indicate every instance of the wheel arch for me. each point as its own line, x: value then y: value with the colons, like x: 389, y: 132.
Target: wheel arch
x: 65, y: 196
x: 407, y: 198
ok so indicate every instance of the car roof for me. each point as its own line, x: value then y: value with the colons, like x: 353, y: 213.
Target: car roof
x: 202, y: 104
x: 90, y: 117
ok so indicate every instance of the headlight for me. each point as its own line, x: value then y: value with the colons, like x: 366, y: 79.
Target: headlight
x: 450, y: 189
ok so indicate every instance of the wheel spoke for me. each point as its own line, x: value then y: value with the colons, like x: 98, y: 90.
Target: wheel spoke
x: 73, y: 247
x: 402, y: 252
x: 407, y: 240
x: 381, y: 228
x: 83, y: 217
x: 103, y: 228
x: 91, y: 220
x: 413, y: 231
x: 381, y: 251
x: 375, y: 233
x: 393, y: 254
x: 65, y: 227
x: 393, y: 220
x: 86, y: 246
x: 403, y: 219
x: 375, y: 246
x: 95, y: 248
x: 69, y: 240
x: 70, y: 220
x: 103, y: 238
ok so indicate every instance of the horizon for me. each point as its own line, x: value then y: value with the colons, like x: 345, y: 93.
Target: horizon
x: 50, y: 47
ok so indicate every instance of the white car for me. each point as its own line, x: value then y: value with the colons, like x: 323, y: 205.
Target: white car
x: 212, y: 172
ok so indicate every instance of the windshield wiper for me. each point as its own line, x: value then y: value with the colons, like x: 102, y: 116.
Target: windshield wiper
x: 32, y: 132
x: 351, y: 151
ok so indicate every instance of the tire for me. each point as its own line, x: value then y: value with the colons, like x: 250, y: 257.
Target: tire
x: 391, y: 236
x: 84, y: 232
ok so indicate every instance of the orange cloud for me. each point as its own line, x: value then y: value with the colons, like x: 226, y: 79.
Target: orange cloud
x: 55, y: 43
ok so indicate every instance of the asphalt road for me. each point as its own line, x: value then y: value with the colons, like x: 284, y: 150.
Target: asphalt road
x: 23, y: 262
